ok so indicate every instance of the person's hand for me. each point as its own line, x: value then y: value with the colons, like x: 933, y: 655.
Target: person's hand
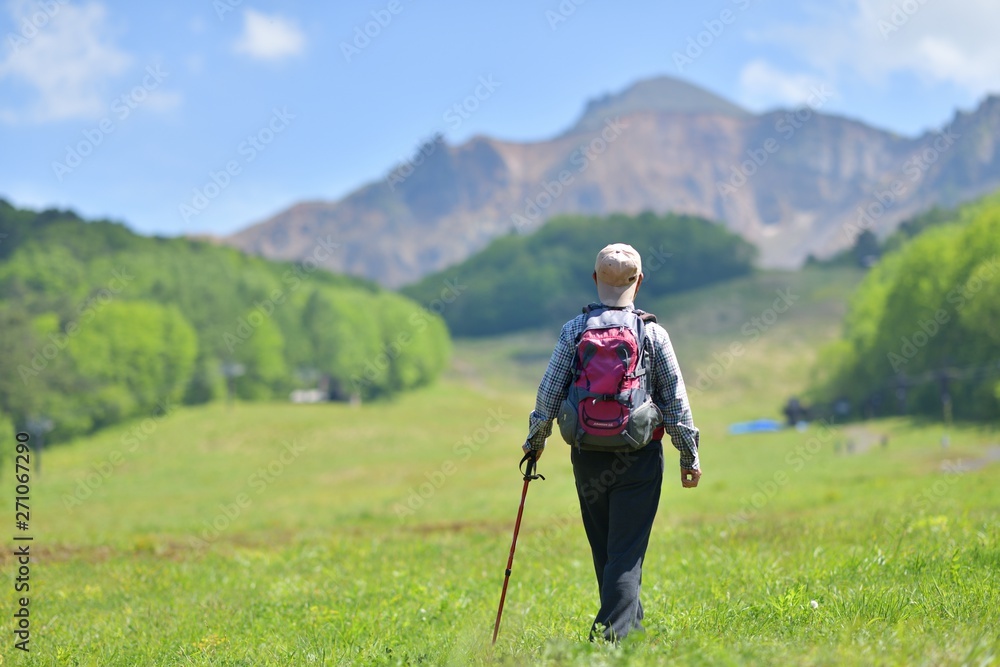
x: 690, y: 477
x: 527, y: 448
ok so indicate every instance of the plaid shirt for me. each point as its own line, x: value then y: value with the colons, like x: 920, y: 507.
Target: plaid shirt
x: 669, y: 392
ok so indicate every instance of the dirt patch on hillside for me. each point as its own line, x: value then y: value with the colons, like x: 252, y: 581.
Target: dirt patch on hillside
x: 991, y: 456
x: 160, y: 546
x: 460, y: 527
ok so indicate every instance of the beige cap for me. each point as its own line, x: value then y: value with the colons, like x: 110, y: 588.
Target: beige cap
x: 618, y: 269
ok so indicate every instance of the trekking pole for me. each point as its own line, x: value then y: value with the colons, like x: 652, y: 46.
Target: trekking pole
x: 529, y: 474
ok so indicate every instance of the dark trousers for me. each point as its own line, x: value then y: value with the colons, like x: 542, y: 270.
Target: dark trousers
x: 619, y: 494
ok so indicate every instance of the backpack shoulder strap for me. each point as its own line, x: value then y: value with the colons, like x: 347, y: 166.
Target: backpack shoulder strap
x: 640, y: 323
x: 645, y: 317
x: 645, y: 358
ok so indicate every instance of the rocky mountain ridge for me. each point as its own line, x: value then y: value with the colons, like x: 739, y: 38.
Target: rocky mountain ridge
x: 793, y: 182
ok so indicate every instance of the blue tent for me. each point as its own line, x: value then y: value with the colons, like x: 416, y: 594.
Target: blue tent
x: 756, y: 426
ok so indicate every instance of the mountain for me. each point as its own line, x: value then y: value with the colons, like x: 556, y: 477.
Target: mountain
x: 795, y: 183
x: 662, y: 94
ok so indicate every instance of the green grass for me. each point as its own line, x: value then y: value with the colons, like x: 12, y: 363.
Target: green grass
x: 382, y: 536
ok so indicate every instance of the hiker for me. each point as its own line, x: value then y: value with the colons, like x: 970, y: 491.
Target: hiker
x: 615, y: 386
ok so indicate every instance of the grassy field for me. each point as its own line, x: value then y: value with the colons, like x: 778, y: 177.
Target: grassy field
x: 309, y: 535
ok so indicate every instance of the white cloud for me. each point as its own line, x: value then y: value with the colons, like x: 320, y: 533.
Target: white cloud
x: 938, y: 42
x: 953, y: 42
x: 763, y: 86
x: 269, y: 37
x: 65, y: 55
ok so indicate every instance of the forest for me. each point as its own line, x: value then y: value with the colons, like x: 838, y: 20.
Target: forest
x: 526, y: 281
x: 922, y: 333
x: 99, y: 324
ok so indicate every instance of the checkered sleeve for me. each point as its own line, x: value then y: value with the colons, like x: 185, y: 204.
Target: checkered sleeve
x: 554, y: 386
x: 670, y: 395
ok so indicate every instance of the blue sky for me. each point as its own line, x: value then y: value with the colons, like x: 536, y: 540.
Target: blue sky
x: 203, y: 116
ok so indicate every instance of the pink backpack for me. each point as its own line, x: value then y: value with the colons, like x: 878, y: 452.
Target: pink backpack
x: 608, y: 405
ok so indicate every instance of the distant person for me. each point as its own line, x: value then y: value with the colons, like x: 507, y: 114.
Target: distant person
x: 615, y: 386
x: 794, y: 412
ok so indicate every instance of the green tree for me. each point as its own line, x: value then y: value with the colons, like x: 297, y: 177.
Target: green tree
x: 520, y: 282
x: 924, y: 311
x: 141, y: 319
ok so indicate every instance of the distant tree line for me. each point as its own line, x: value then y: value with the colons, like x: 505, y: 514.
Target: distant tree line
x: 526, y: 281
x: 867, y: 248
x: 922, y: 334
x: 98, y: 324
